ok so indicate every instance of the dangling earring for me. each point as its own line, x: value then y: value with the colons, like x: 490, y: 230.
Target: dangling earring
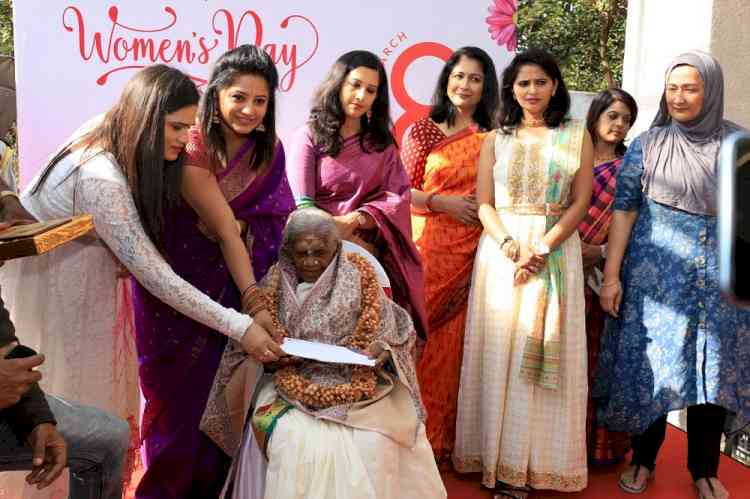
x: 368, y: 117
x: 215, y: 118
x: 260, y: 128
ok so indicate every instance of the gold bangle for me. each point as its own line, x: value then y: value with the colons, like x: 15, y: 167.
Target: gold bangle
x: 9, y: 194
x: 428, y: 200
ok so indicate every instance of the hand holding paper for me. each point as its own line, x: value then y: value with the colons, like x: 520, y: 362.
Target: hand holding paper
x: 325, y: 353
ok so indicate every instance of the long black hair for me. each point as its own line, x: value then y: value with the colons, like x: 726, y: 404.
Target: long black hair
x: 243, y: 60
x: 485, y: 115
x: 511, y: 112
x: 327, y: 115
x: 601, y: 102
x: 133, y: 132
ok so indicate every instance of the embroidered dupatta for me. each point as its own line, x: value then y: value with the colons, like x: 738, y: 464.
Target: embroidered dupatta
x: 540, y: 363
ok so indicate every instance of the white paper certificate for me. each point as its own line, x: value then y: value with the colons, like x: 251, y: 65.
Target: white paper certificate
x: 324, y: 352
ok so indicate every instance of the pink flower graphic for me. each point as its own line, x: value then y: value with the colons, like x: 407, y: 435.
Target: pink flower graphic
x: 502, y: 23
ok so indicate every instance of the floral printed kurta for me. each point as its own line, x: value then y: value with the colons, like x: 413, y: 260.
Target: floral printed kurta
x: 677, y: 342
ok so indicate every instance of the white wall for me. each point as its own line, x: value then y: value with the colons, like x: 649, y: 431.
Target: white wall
x: 730, y: 42
x: 656, y: 32
x: 659, y: 30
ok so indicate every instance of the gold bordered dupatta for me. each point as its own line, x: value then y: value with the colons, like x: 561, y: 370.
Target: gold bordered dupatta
x: 541, y: 356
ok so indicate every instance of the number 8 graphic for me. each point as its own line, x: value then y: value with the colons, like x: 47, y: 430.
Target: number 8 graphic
x: 413, y: 110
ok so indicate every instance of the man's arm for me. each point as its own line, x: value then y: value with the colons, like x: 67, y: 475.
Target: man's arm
x: 32, y: 409
x: 11, y: 209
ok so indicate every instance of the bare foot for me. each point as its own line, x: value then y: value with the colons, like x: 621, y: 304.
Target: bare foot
x: 711, y: 488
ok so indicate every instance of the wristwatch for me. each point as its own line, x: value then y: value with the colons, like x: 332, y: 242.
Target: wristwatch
x: 505, y: 240
x: 540, y: 248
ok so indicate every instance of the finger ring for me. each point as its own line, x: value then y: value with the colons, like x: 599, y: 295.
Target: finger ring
x: 267, y: 353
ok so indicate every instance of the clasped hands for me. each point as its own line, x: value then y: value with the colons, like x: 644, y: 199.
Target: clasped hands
x: 528, y: 262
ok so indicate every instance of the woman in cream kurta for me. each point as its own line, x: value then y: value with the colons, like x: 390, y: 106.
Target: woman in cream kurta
x: 522, y: 402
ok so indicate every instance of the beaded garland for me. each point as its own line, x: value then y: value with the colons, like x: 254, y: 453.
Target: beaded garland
x: 364, y: 379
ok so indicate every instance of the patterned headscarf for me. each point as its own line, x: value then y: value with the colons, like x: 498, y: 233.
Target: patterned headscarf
x: 680, y: 159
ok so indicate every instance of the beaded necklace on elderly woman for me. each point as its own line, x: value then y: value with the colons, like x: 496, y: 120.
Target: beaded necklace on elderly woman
x: 364, y: 379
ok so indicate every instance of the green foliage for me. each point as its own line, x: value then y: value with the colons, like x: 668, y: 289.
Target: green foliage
x: 6, y: 27
x: 577, y: 32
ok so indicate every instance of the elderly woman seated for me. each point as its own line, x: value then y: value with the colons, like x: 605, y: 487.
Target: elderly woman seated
x: 328, y: 431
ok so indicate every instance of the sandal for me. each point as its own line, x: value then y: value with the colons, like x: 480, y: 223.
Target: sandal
x: 506, y: 491
x: 629, y: 480
x: 510, y: 494
x: 710, y: 488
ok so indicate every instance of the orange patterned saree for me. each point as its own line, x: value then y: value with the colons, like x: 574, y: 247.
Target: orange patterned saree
x: 446, y: 166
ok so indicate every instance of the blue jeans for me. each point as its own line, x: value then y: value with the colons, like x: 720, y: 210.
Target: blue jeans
x: 97, y: 447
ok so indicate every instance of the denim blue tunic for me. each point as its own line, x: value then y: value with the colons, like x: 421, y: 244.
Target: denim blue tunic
x: 677, y: 342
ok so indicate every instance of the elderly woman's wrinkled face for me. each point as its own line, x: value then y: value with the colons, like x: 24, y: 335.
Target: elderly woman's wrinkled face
x: 311, y: 255
x: 684, y: 93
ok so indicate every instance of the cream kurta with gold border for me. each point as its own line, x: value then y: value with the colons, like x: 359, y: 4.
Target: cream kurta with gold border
x: 508, y: 428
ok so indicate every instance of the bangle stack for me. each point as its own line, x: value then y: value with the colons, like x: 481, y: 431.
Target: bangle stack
x: 253, y: 300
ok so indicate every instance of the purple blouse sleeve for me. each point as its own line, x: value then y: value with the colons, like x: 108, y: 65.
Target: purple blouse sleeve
x: 301, y: 168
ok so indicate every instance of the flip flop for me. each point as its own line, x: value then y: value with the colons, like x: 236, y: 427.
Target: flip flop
x: 504, y: 490
x: 627, y: 485
x: 510, y: 494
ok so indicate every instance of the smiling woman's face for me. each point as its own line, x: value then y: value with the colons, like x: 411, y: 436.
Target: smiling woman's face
x: 684, y: 93
x: 311, y: 255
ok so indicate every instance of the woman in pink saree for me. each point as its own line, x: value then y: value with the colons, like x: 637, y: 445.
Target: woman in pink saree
x: 345, y: 162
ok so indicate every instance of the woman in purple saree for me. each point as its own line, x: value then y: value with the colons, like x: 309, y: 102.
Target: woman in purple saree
x: 237, y: 199
x: 345, y: 162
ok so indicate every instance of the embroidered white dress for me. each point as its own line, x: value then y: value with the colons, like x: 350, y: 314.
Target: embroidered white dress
x: 65, y: 303
x: 509, y: 429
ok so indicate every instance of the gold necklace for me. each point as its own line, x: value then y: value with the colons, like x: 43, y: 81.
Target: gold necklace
x: 599, y: 161
x: 533, y: 122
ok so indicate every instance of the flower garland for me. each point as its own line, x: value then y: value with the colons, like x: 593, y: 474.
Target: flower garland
x: 364, y: 379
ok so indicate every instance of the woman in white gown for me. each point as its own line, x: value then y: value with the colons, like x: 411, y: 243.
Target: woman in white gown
x: 329, y: 431
x: 522, y: 399
x: 124, y: 169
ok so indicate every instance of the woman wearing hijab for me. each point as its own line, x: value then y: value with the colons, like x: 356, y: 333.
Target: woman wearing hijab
x: 675, y: 342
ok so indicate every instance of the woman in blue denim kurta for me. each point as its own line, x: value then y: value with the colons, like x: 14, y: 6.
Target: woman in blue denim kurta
x: 676, y: 342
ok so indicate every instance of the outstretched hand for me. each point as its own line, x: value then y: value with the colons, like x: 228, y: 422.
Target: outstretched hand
x: 263, y: 318
x: 258, y: 344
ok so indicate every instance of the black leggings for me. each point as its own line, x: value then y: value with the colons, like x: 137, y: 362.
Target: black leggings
x: 705, y: 424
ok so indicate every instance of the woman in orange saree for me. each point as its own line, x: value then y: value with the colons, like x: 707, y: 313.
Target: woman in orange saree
x: 440, y: 154
x: 612, y: 113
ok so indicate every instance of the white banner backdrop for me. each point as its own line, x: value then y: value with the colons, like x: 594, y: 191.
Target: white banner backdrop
x: 74, y: 56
